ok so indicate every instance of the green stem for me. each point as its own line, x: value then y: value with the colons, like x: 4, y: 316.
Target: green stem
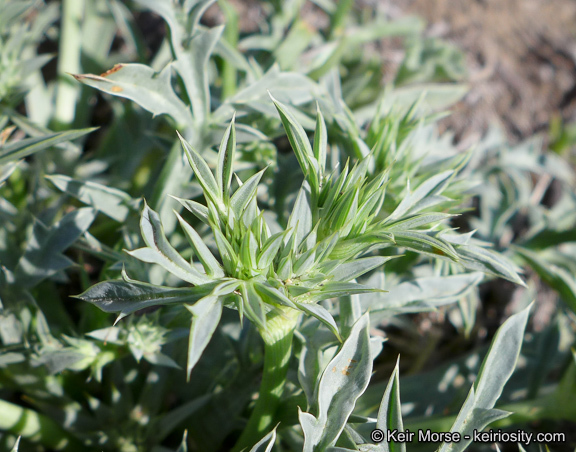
x: 36, y: 427
x: 231, y: 36
x: 69, y: 50
x: 277, y: 353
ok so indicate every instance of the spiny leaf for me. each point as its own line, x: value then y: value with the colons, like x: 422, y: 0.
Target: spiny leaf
x: 129, y: 296
x: 211, y: 265
x: 206, y: 315
x: 160, y: 251
x: 202, y: 172
x: 226, y: 159
x: 28, y: 146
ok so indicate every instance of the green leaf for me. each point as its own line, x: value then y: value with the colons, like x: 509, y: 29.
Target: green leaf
x: 298, y: 140
x: 110, y: 201
x: 253, y: 305
x: 390, y: 413
x: 245, y: 194
x: 23, y: 148
x: 160, y: 251
x: 495, y: 371
x: 270, y: 249
x: 301, y: 217
x: 211, y: 265
x: 152, y: 91
x: 43, y: 254
x: 432, y: 186
x: 343, y: 381
x: 206, y: 316
x: 320, y: 140
x: 226, y: 160
x: 202, y: 172
x: 129, y: 296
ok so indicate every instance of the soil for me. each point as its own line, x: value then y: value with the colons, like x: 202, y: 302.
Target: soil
x: 520, y: 55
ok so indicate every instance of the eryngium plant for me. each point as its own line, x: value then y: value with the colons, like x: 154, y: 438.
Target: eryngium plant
x: 273, y: 273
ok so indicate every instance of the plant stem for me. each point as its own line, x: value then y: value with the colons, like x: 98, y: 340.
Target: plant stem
x: 36, y: 427
x: 67, y: 91
x: 231, y: 36
x: 277, y: 353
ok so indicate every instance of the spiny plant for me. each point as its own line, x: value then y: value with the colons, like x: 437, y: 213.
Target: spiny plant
x: 272, y: 277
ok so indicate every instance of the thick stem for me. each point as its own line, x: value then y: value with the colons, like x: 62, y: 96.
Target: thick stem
x: 277, y: 353
x: 70, y: 46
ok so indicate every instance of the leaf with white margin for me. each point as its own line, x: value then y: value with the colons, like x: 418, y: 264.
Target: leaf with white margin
x: 495, y: 371
x: 110, y: 201
x: 160, y: 251
x: 266, y: 443
x: 206, y: 316
x: 343, y: 381
x: 141, y: 84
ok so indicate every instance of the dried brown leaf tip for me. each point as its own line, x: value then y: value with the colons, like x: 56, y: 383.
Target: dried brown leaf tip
x: 116, y: 68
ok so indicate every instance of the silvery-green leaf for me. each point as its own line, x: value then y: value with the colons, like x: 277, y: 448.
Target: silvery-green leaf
x: 320, y: 140
x: 202, y: 172
x: 16, y: 445
x: 390, y: 413
x: 265, y: 444
x: 431, y: 186
x: 270, y: 249
x: 206, y: 315
x: 28, y: 146
x: 199, y: 210
x: 488, y: 261
x: 299, y: 142
x: 226, y: 159
x: 495, y: 371
x: 286, y: 86
x: 431, y: 291
x: 343, y: 381
x: 301, y: 216
x: 192, y: 65
x: 357, y: 267
x: 253, y: 306
x: 333, y: 289
x: 160, y: 251
x: 227, y: 253
x: 321, y: 314
x: 129, y: 296
x: 267, y: 291
x: 43, y: 256
x: 152, y: 91
x: 211, y: 265
x: 416, y: 221
x: 424, y: 243
x: 245, y: 193
x: 110, y: 201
